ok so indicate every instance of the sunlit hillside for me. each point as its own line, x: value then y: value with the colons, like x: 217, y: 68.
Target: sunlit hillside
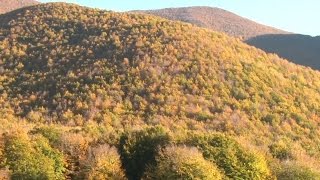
x: 107, y: 95
x: 297, y: 48
x: 218, y: 20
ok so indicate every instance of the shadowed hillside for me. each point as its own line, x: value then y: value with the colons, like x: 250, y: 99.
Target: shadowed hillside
x: 94, y: 94
x: 300, y: 49
x: 217, y: 20
x: 9, y: 5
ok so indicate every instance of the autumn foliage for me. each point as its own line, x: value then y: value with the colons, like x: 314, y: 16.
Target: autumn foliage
x: 102, y: 94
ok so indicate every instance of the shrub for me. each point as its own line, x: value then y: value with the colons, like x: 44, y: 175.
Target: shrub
x: 272, y: 119
x: 52, y: 133
x: 239, y: 94
x: 105, y: 163
x: 182, y: 163
x: 281, y: 151
x: 139, y: 148
x: 229, y: 156
x: 292, y: 171
x: 32, y: 159
x: 302, y: 120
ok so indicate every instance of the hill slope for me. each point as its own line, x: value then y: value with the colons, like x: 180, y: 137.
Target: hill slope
x: 300, y: 49
x: 112, y: 73
x: 9, y: 5
x: 217, y: 20
x: 61, y: 58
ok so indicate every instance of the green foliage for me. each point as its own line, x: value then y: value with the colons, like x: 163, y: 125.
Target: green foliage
x: 292, y: 171
x: 303, y: 121
x: 55, y: 157
x: 235, y: 161
x: 182, y: 163
x: 239, y: 94
x: 32, y: 158
x: 281, y: 150
x: 139, y: 148
x: 52, y: 133
x: 272, y: 119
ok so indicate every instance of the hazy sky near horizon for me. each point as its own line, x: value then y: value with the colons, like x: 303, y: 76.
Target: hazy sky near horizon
x: 291, y: 15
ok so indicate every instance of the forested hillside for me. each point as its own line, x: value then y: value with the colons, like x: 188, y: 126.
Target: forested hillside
x: 300, y: 49
x: 297, y: 48
x: 216, y: 19
x: 103, y: 95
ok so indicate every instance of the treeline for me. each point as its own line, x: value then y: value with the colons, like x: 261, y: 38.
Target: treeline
x: 57, y: 152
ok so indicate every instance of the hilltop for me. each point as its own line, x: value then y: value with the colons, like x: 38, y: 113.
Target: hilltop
x: 216, y: 19
x: 297, y: 48
x: 98, y: 94
x: 10, y: 5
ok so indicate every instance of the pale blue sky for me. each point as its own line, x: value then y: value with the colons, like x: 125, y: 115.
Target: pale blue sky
x: 299, y: 16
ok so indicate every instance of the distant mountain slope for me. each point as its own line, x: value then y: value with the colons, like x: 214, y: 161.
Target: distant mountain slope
x: 9, y: 5
x: 218, y: 20
x: 300, y: 49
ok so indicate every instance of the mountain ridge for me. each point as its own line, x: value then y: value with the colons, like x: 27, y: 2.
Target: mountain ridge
x: 216, y: 19
x: 298, y: 48
x: 9, y: 5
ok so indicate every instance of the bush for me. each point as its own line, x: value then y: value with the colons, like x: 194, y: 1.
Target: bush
x: 105, y: 163
x: 182, y: 163
x: 139, y: 148
x: 52, y: 133
x: 292, y: 171
x: 272, y: 119
x: 229, y: 156
x: 281, y: 151
x: 239, y: 93
x: 32, y: 158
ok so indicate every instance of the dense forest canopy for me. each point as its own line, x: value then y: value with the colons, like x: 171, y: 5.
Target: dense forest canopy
x: 77, y: 82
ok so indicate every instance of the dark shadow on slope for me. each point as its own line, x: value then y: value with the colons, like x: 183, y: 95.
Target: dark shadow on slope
x: 299, y: 49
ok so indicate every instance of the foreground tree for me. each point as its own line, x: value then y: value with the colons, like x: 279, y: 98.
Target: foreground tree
x: 185, y: 163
